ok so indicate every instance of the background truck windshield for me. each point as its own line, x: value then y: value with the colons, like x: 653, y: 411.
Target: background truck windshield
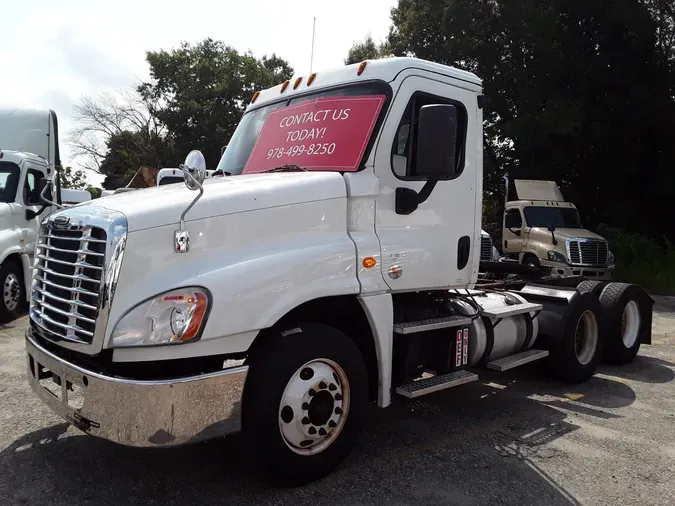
x: 318, y: 133
x: 558, y: 217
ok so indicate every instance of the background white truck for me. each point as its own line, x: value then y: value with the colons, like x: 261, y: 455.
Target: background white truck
x: 29, y: 153
x: 337, y: 265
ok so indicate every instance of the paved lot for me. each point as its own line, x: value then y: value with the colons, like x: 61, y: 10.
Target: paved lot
x: 512, y: 438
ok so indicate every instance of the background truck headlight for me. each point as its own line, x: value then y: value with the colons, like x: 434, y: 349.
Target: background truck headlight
x: 610, y: 258
x: 170, y: 318
x: 556, y: 256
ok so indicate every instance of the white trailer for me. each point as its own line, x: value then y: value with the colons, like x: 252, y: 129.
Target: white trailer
x: 335, y: 266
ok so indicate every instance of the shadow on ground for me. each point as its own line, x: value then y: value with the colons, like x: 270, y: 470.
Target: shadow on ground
x: 462, y: 446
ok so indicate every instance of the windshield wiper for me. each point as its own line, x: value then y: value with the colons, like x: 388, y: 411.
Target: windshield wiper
x: 286, y: 168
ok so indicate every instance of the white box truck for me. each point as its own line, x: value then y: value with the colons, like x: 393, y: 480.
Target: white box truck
x: 336, y: 265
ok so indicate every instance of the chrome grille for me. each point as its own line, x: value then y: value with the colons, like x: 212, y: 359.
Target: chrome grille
x: 485, y: 249
x: 67, y: 281
x: 588, y: 252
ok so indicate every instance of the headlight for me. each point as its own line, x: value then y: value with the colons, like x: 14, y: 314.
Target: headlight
x: 495, y: 254
x: 556, y: 256
x: 610, y: 259
x: 171, y: 318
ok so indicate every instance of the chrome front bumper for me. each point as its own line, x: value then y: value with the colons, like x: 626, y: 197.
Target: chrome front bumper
x: 138, y: 413
x: 564, y: 270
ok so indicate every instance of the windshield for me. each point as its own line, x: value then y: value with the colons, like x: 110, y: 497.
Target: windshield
x: 170, y: 180
x: 558, y: 217
x: 327, y: 130
x: 9, y: 181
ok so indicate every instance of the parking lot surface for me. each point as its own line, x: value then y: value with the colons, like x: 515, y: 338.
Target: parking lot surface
x: 511, y: 438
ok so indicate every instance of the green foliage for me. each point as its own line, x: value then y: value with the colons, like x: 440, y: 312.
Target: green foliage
x: 95, y: 192
x: 578, y: 92
x: 199, y: 92
x: 367, y: 49
x: 72, y: 178
x: 641, y: 260
x: 128, y: 151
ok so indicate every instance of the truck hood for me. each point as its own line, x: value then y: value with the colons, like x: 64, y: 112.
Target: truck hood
x: 542, y: 234
x: 162, y: 205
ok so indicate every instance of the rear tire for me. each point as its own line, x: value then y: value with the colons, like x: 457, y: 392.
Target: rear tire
x: 575, y: 356
x: 622, y: 322
x: 591, y: 286
x: 296, y: 436
x: 13, y: 298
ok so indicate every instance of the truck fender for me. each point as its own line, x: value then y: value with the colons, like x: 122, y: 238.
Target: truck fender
x: 379, y: 310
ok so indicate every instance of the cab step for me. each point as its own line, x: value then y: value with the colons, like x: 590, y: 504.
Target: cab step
x: 434, y: 384
x: 506, y: 311
x: 506, y: 363
x: 431, y: 324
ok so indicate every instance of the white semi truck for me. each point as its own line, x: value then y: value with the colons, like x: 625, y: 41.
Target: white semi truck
x: 335, y: 265
x: 29, y: 153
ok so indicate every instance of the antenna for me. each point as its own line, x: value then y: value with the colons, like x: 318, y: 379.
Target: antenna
x: 311, y: 61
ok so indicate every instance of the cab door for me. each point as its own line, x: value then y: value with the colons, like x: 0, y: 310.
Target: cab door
x: 514, y: 235
x: 30, y: 198
x: 432, y: 246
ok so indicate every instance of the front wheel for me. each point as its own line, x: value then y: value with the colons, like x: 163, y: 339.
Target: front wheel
x: 304, y: 402
x: 13, y: 298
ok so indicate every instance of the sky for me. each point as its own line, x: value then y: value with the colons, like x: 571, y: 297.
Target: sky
x: 59, y: 51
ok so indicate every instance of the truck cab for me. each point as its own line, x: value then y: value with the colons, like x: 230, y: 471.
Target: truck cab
x: 28, y: 155
x: 542, y: 230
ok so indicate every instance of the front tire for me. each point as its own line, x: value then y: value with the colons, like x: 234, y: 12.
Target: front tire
x: 13, y: 292
x: 304, y: 402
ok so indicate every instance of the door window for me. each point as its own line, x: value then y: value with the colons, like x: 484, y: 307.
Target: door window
x: 403, y: 151
x: 31, y: 188
x: 512, y: 219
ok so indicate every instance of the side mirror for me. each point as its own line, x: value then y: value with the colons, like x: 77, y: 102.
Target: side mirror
x: 194, y: 169
x: 551, y: 229
x: 43, y: 183
x: 436, y: 141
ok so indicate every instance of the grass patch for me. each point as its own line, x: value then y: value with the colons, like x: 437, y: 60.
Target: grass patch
x: 641, y: 260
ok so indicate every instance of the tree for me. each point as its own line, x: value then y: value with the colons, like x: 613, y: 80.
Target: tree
x: 72, y: 178
x: 366, y: 50
x: 577, y: 93
x: 120, y: 120
x: 199, y: 92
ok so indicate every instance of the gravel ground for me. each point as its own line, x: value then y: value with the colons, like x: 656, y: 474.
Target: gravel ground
x: 511, y: 438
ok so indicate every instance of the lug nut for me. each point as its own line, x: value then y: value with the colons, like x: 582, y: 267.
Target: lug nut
x: 305, y: 421
x: 312, y: 430
x: 322, y: 432
x: 311, y: 393
x: 338, y: 397
x: 322, y: 385
x: 338, y: 411
x: 332, y: 387
x: 305, y: 406
x: 332, y: 424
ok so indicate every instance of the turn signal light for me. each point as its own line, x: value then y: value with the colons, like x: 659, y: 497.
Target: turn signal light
x: 310, y: 79
x: 255, y: 95
x: 284, y: 86
x: 297, y: 82
x: 369, y: 262
x: 362, y: 67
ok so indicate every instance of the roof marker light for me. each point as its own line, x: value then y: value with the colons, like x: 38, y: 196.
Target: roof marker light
x: 297, y: 82
x: 284, y: 86
x: 255, y: 96
x: 362, y: 67
x: 310, y: 79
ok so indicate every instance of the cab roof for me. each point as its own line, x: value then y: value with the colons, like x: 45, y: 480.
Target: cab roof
x: 384, y: 69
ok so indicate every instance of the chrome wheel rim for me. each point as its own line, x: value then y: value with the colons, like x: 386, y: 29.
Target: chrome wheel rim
x: 630, y: 324
x: 314, y: 407
x: 586, y: 337
x: 11, y: 292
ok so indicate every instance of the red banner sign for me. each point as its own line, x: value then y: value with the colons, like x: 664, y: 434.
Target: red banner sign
x: 322, y: 134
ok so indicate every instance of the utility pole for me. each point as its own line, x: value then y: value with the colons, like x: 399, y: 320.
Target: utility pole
x: 311, y: 61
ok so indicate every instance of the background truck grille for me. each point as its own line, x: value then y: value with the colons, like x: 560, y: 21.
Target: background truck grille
x: 67, y: 282
x: 485, y: 249
x: 589, y: 252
